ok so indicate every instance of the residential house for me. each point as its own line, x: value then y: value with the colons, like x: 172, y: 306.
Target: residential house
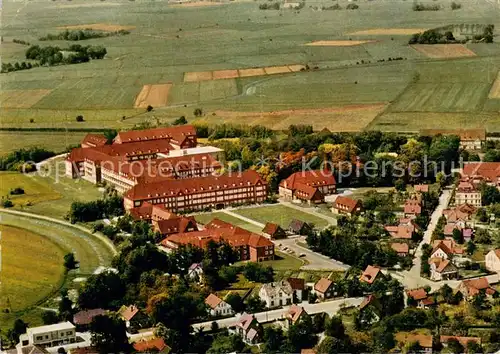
x: 472, y: 287
x: 446, y: 249
x: 346, y: 205
x: 249, y: 245
x: 273, y: 231
x: 48, y: 336
x: 370, y: 274
x: 82, y: 319
x: 442, y: 269
x: 298, y: 227
x: 294, y: 314
x: 370, y: 310
x: 132, y: 316
x: 402, y: 249
x: 470, y: 139
x: 462, y: 213
x: 324, y: 288
x: 462, y: 340
x: 425, y: 341
x: 195, y: 272
x: 412, y: 208
x: 488, y: 172
x: 421, y: 188
x: 218, y: 307
x: 308, y: 186
x: 492, y: 261
x: 200, y: 193
x: 467, y: 193
x: 404, y: 230
x: 152, y: 345
x: 420, y: 297
x: 248, y: 328
x: 299, y: 287
x: 276, y: 294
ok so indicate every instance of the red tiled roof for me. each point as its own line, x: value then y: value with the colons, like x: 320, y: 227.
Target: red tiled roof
x: 424, y: 188
x: 412, y: 206
x: 175, y: 225
x: 270, y: 228
x: 213, y: 301
x: 322, y: 285
x: 94, y: 139
x: 417, y: 294
x: 461, y: 340
x: 178, y: 134
x: 295, y: 312
x: 367, y: 301
x: 217, y: 223
x: 425, y: 341
x: 400, y: 247
x: 474, y: 286
x: 487, y: 170
x: 194, y: 185
x: 347, y: 202
x: 128, y: 312
x: 307, y: 192
x: 156, y: 344
x: 245, y: 321
x: 297, y: 283
x: 370, y: 274
x: 315, y: 178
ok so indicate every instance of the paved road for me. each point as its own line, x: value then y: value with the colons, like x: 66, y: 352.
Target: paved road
x: 316, y: 261
x: 330, y: 307
x: 411, y: 279
x: 104, y: 239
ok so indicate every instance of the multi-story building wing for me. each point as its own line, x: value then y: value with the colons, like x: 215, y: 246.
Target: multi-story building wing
x: 49, y: 336
x: 199, y: 193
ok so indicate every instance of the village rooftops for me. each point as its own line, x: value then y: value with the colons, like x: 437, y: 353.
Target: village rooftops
x: 315, y: 178
x: 322, y: 285
x: 178, y: 134
x: 370, y: 274
x: 346, y: 204
x: 463, y: 134
x: 474, y: 286
x: 151, y: 345
x: 489, y: 171
x: 417, y: 294
x: 413, y: 206
x: 194, y: 185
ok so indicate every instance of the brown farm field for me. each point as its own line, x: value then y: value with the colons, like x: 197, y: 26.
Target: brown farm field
x: 338, y: 43
x: 197, y: 76
x: 343, y: 118
x: 225, y: 74
x: 21, y: 98
x: 442, y: 51
x: 98, y: 27
x: 153, y: 95
x: 495, y: 89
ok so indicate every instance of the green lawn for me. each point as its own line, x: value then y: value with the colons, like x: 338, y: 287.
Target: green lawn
x: 53, y: 141
x: 37, y: 276
x: 281, y: 215
x: 284, y: 262
x: 35, y: 190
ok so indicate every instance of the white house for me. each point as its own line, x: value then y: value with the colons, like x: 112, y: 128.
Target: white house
x: 442, y: 269
x: 493, y: 260
x: 218, y: 307
x: 49, y: 336
x: 195, y: 272
x: 276, y: 294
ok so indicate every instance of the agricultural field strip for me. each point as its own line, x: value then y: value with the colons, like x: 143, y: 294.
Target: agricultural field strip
x: 194, y: 76
x: 495, y: 88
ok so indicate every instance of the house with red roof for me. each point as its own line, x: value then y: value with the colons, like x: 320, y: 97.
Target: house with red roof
x: 370, y: 274
x: 200, y: 193
x: 446, y: 249
x: 412, y: 208
x: 218, y: 307
x: 488, y: 172
x: 346, y: 205
x: 466, y: 192
x: 93, y: 140
x: 248, y: 328
x: 401, y: 248
x: 295, y: 314
x: 425, y: 341
x: 152, y: 345
x: 273, y: 231
x: 324, y: 288
x: 370, y: 310
x: 181, y: 137
x: 308, y: 186
x: 472, y: 287
x: 249, y: 245
x: 442, y: 269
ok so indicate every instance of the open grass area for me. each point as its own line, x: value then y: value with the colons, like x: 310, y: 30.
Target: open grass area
x: 168, y: 41
x: 281, y: 215
x: 53, y: 141
x: 35, y: 190
x: 207, y: 217
x: 32, y: 269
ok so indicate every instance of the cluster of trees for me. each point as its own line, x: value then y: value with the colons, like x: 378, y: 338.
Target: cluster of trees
x: 432, y: 36
x: 76, y: 53
x: 17, y: 66
x: 80, y: 35
x: 109, y: 206
x: 352, y: 7
x: 266, y: 6
x: 220, y: 131
x: 17, y: 159
x: 425, y: 7
x: 20, y: 41
x: 455, y: 5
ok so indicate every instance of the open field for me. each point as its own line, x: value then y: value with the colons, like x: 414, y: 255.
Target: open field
x: 495, y: 89
x: 343, y: 43
x: 153, y: 95
x: 43, y: 247
x: 40, y: 272
x: 167, y: 41
x: 197, y: 4
x: 97, y: 26
x: 53, y: 141
x: 21, y: 98
x: 281, y: 215
x: 35, y: 190
x: 444, y: 50
x: 388, y: 31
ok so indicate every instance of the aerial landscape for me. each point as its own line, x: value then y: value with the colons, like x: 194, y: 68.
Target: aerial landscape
x: 239, y: 176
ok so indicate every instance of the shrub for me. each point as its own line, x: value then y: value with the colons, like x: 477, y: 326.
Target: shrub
x: 455, y: 6
x: 352, y: 7
x: 79, y: 118
x: 149, y: 108
x: 16, y: 191
x: 7, y: 203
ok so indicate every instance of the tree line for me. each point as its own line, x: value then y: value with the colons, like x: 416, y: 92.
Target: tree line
x: 80, y: 35
x: 16, y: 160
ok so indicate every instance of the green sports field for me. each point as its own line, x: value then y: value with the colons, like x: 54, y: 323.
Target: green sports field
x: 168, y: 41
